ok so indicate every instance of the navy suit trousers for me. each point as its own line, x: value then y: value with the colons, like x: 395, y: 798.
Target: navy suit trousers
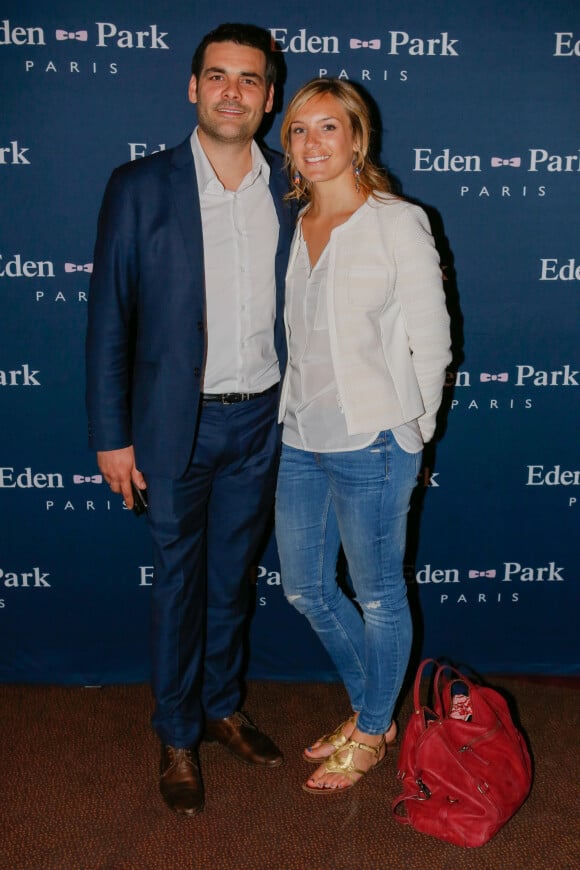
x: 206, y: 528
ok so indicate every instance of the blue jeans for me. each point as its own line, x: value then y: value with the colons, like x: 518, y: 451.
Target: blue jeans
x: 360, y: 499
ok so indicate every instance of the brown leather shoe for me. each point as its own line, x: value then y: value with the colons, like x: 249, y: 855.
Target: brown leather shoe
x: 180, y: 783
x: 243, y: 740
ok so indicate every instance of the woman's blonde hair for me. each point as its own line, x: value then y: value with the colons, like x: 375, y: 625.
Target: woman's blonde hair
x: 371, y: 178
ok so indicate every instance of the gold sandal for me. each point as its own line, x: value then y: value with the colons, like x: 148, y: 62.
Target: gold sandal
x: 336, y: 738
x: 345, y: 765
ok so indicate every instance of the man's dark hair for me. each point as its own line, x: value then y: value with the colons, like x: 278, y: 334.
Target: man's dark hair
x: 242, y: 34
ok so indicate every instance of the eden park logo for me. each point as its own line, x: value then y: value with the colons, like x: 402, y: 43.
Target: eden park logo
x: 108, y: 34
x: 537, y: 160
x: 33, y: 579
x: 510, y: 571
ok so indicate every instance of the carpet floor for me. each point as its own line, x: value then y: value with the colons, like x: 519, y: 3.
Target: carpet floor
x: 79, y: 789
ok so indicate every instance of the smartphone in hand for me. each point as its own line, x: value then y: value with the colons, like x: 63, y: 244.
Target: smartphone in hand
x: 139, y: 500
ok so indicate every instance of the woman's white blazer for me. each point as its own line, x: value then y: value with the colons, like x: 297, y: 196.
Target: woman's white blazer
x: 386, y: 316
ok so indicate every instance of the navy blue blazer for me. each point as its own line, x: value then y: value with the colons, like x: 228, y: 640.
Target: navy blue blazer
x: 146, y: 338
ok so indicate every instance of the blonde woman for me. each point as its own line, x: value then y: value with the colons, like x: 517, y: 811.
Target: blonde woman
x: 368, y: 336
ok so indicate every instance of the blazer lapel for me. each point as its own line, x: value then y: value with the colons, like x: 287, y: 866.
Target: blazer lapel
x: 186, y: 196
x: 279, y: 187
x: 286, y: 216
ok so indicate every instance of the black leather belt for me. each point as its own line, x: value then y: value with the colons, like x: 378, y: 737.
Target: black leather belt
x: 234, y: 398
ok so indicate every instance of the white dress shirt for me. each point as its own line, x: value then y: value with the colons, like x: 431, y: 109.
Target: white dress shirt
x: 240, y: 237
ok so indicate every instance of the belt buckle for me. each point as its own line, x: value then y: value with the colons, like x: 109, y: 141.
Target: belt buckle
x: 225, y: 400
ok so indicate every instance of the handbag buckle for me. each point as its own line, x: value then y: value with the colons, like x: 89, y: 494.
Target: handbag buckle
x: 423, y: 788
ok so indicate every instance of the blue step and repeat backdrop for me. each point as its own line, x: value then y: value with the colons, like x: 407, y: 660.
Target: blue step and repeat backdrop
x: 478, y: 120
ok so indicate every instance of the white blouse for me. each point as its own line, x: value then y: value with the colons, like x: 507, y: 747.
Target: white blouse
x: 314, y: 420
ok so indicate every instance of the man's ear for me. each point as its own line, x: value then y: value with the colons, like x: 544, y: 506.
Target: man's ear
x: 269, y: 100
x: 192, y: 90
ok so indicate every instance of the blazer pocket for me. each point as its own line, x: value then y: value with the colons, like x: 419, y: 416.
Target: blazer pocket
x: 367, y: 287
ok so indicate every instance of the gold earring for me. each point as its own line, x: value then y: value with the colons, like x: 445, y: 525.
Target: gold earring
x: 356, y: 170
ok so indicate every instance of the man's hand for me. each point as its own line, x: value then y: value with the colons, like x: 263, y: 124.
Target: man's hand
x: 118, y: 469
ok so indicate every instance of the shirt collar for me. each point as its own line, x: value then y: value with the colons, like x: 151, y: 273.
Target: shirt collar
x: 207, y: 180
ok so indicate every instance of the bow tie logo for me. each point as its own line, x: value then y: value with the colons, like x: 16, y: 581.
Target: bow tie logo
x: 92, y: 478
x: 72, y: 267
x: 473, y: 575
x: 371, y: 43
x: 510, y: 161
x: 502, y: 377
x: 80, y: 35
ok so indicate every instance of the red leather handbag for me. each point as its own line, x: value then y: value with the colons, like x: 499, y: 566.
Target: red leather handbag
x: 463, y: 765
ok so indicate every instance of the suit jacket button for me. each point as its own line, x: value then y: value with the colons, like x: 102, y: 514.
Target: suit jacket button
x: 197, y: 372
x: 200, y: 325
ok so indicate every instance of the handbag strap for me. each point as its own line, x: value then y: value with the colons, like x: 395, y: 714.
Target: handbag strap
x: 418, y: 677
x: 403, y: 820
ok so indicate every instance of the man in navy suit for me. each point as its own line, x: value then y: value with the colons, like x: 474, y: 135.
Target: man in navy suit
x: 185, y: 350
